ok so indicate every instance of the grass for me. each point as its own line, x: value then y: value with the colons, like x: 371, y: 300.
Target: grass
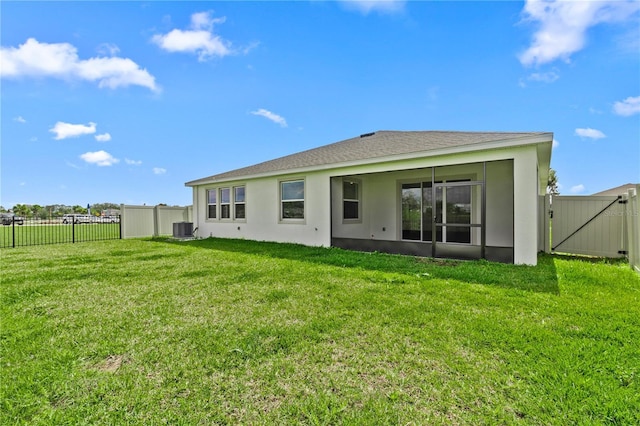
x: 237, y: 332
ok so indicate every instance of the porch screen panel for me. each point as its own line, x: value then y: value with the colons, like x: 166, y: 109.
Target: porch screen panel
x: 458, y: 213
x: 427, y: 214
x: 411, y: 211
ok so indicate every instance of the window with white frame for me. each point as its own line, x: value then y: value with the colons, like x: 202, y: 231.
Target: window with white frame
x: 225, y: 203
x: 292, y: 199
x: 350, y: 200
x: 212, y: 203
x: 239, y: 211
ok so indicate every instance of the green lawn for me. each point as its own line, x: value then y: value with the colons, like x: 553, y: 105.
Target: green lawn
x: 237, y: 332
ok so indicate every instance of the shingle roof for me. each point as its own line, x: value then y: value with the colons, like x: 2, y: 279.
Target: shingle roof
x: 370, y: 146
x: 618, y: 190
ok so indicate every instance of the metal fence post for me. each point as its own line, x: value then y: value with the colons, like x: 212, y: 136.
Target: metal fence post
x: 13, y: 233
x: 73, y: 229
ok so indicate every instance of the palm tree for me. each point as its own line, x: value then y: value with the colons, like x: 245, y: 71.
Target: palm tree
x: 552, y: 183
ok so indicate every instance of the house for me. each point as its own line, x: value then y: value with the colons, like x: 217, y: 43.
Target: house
x: 618, y: 190
x: 466, y: 195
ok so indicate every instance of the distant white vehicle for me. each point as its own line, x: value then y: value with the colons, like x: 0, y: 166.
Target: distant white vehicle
x: 77, y: 218
x: 106, y: 219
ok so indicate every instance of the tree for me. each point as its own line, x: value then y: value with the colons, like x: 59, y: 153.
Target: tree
x: 21, y: 210
x: 98, y: 208
x: 552, y: 183
x: 79, y: 209
x: 39, y: 212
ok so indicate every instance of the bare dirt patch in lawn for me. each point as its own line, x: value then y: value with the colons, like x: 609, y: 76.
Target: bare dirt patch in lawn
x: 110, y: 364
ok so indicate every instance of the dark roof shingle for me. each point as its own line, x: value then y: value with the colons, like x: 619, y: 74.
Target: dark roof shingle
x: 370, y: 147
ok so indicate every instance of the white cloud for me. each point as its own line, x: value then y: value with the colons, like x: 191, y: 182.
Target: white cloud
x: 60, y: 60
x: 590, y: 133
x: 545, y: 77
x: 108, y: 49
x: 555, y: 143
x: 381, y: 6
x: 20, y: 119
x: 271, y: 116
x: 132, y: 162
x: 563, y: 25
x: 199, y: 39
x: 628, y: 107
x: 105, y: 137
x: 99, y: 158
x: 68, y: 130
x: 576, y: 189
x: 159, y: 171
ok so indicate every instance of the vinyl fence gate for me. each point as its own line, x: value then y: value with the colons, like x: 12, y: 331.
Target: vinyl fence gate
x: 587, y: 225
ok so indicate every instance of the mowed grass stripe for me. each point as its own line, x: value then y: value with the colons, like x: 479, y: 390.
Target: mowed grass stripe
x: 229, y: 331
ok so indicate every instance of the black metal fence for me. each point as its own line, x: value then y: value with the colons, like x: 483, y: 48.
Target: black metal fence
x: 18, y: 231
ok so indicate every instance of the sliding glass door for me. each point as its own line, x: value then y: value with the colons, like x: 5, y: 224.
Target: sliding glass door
x: 449, y: 214
x: 459, y: 219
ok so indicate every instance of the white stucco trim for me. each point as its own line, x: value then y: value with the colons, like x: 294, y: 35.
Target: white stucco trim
x: 525, y: 207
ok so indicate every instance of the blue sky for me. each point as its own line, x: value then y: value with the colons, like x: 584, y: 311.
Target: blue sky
x: 124, y: 102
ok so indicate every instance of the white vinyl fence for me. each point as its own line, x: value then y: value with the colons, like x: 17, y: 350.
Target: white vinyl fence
x: 148, y: 221
x: 605, y: 226
x: 588, y: 225
x: 632, y: 218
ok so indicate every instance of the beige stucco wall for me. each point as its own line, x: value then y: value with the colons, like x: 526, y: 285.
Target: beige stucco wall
x: 380, y: 202
x: 263, y: 209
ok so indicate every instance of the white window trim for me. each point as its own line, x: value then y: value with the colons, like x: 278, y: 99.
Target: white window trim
x: 207, y: 204
x: 220, y: 204
x: 358, y: 200
x: 298, y: 221
x: 234, y: 203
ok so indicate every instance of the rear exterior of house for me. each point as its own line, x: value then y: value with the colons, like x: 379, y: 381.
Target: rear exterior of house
x: 467, y: 195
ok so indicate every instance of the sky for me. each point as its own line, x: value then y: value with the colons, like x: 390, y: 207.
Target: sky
x: 124, y: 102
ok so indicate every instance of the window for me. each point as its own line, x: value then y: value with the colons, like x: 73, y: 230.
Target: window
x: 221, y: 200
x: 292, y: 199
x: 350, y: 200
x: 225, y: 203
x: 212, y: 203
x: 238, y: 199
